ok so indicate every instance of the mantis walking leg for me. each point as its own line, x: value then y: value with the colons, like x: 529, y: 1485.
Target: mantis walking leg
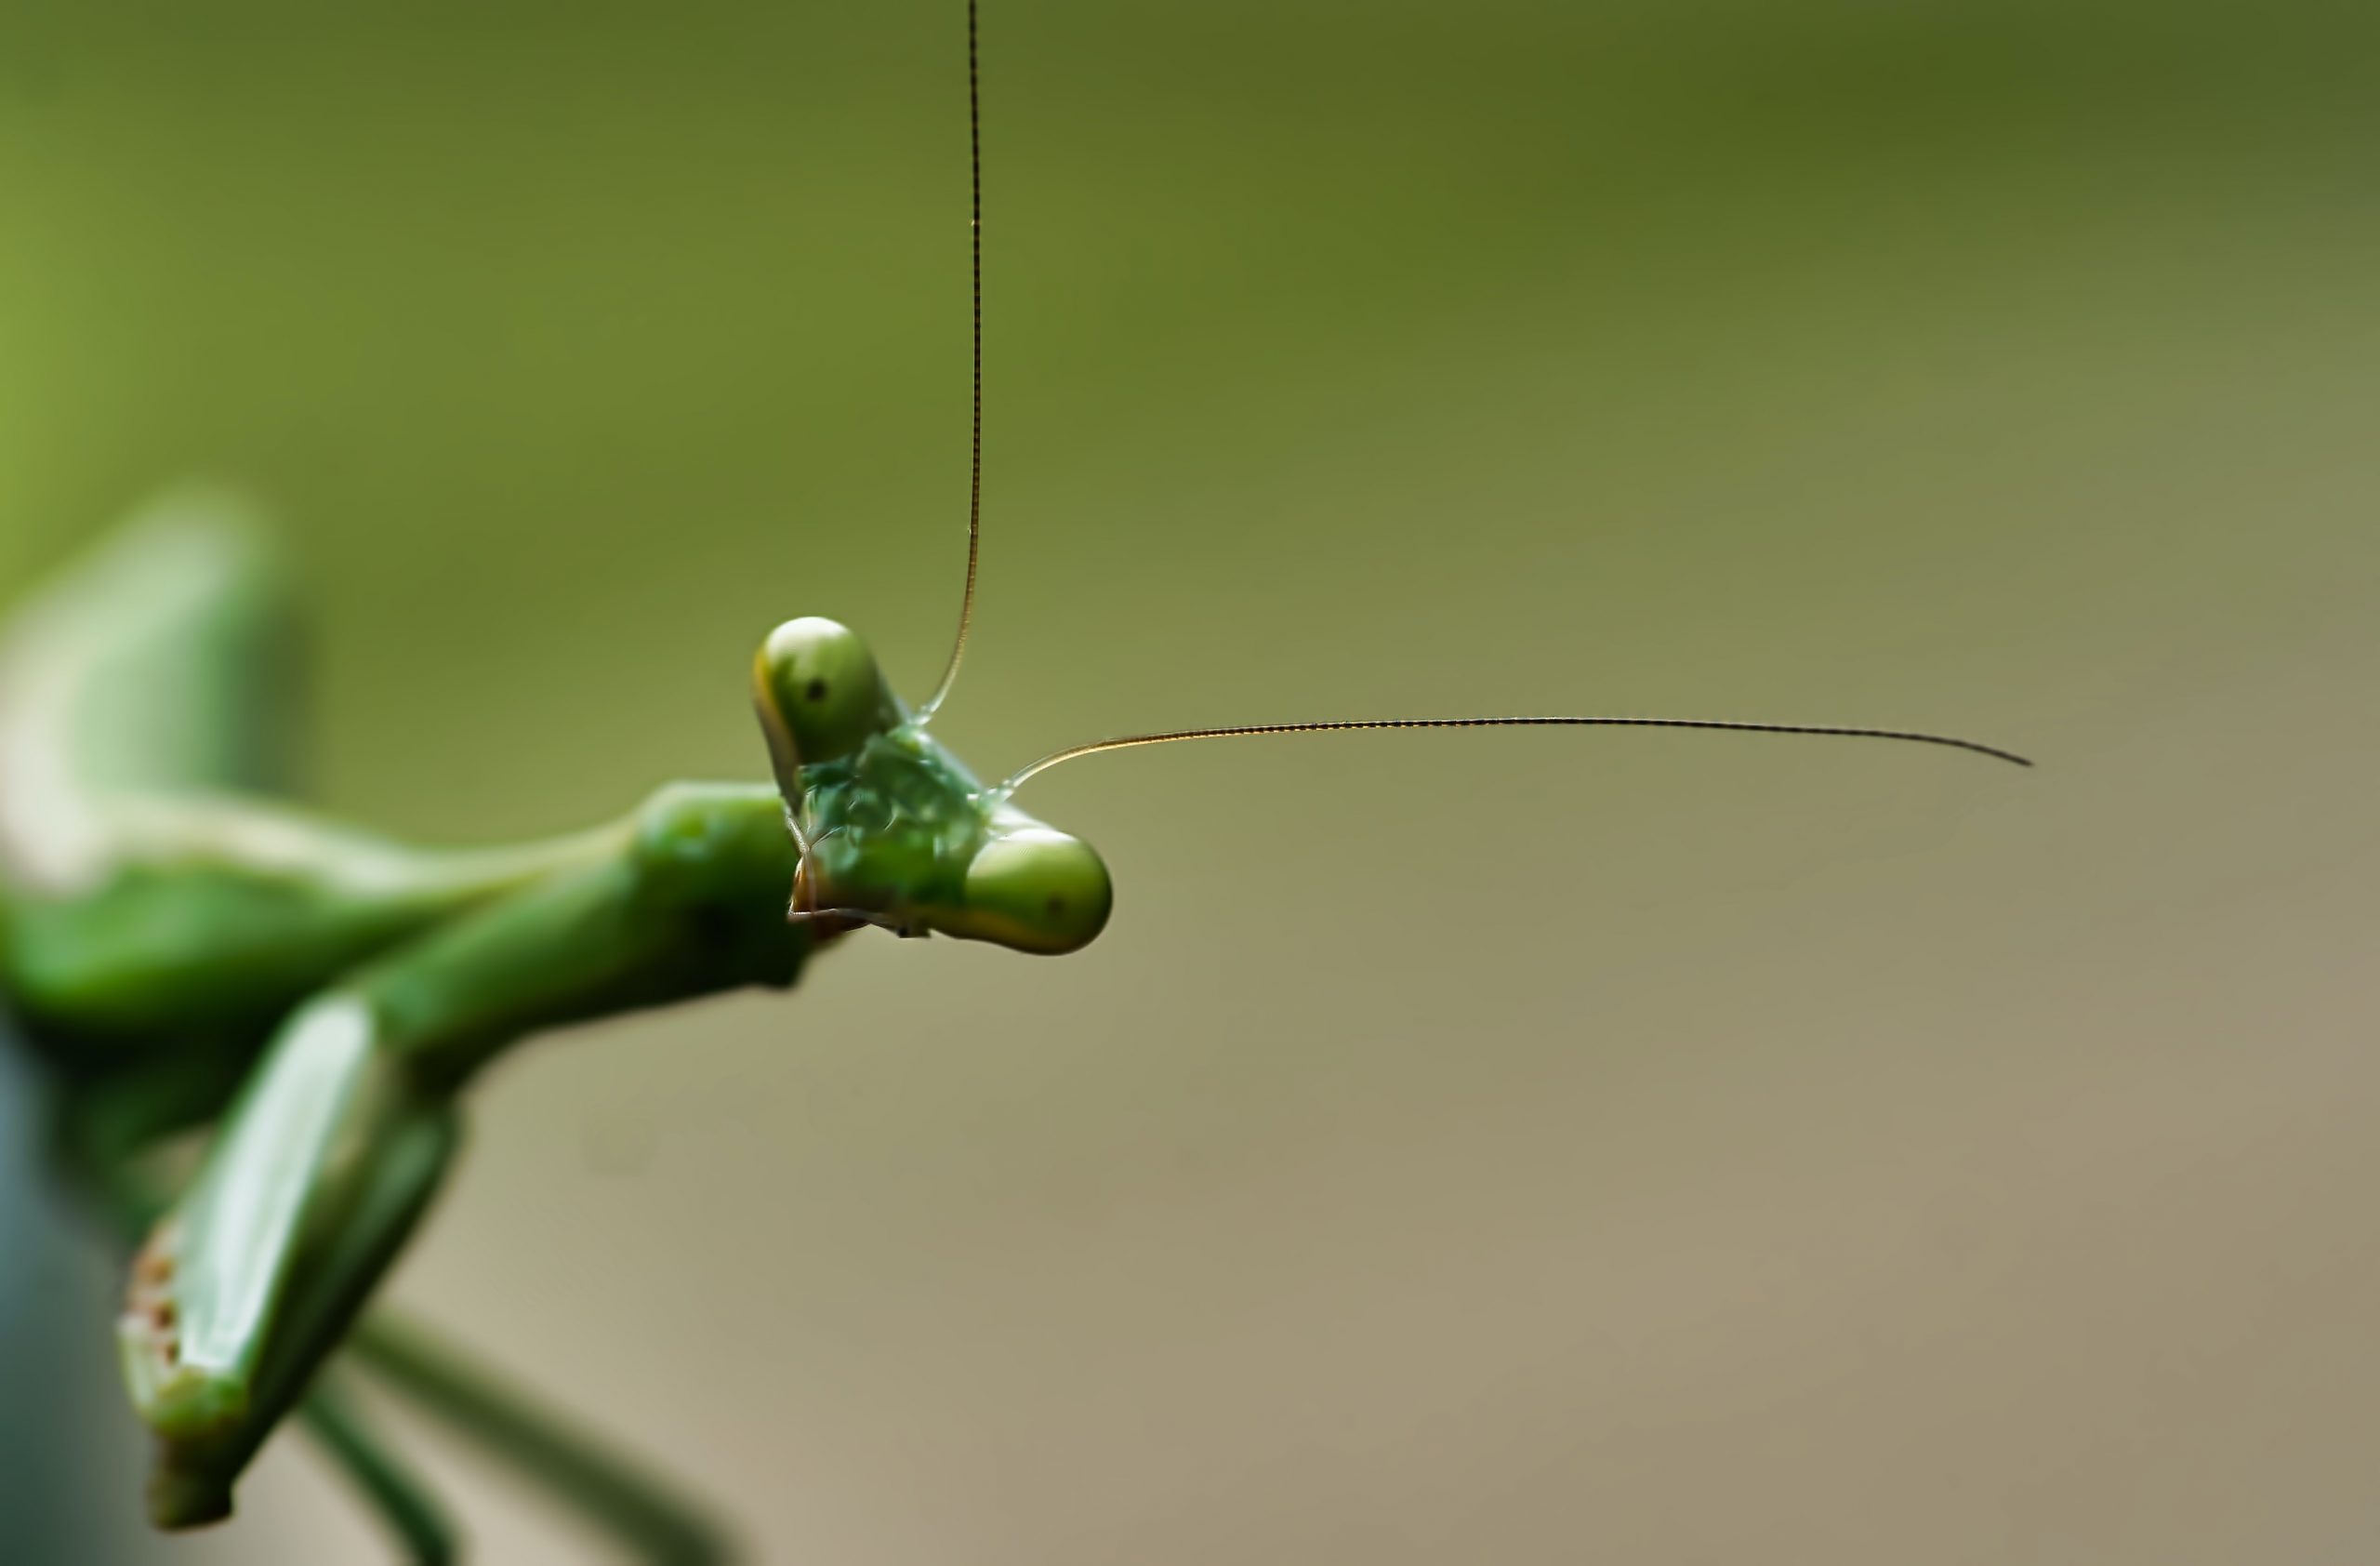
x: 608, y: 1489
x: 392, y: 1489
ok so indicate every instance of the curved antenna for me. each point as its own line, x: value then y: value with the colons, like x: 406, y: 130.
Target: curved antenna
x: 975, y: 443
x: 1169, y: 736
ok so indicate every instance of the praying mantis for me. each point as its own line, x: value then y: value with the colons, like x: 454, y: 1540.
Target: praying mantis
x: 187, y: 948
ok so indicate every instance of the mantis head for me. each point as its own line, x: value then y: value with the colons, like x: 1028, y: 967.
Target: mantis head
x: 893, y: 829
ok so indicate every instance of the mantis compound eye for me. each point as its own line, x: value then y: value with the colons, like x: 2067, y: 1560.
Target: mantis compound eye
x: 818, y: 693
x: 1041, y: 890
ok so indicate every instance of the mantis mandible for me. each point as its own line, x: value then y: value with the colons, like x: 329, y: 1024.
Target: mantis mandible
x: 188, y: 949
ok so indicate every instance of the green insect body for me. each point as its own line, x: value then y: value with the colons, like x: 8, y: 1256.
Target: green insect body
x: 187, y: 948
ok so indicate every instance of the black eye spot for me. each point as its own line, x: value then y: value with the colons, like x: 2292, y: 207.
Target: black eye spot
x: 1056, y: 906
x: 815, y: 690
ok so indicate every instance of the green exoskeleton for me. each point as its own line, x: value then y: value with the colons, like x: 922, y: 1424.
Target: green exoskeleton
x: 188, y: 951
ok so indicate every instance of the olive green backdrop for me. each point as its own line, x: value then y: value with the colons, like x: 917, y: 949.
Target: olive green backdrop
x: 1535, y: 1147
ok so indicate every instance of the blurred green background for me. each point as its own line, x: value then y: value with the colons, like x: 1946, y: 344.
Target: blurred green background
x: 1534, y: 1148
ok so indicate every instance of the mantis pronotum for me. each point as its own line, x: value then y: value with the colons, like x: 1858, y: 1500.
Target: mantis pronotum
x: 189, y: 951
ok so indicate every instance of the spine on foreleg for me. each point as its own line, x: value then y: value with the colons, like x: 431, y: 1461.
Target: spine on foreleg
x: 160, y: 661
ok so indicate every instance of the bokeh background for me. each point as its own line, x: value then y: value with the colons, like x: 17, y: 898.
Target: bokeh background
x: 1536, y: 1148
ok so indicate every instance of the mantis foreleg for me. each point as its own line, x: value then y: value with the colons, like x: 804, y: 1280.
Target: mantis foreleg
x: 105, y: 1132
x: 336, y: 1146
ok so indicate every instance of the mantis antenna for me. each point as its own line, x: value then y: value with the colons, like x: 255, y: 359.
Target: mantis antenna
x: 1169, y: 736
x: 975, y: 444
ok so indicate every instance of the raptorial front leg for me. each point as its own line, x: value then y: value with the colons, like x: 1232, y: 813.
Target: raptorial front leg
x: 331, y: 1151
x: 101, y: 1135
x: 254, y: 1276
x: 336, y: 1143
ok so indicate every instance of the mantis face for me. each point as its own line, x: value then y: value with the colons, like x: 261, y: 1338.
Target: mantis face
x: 893, y: 828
